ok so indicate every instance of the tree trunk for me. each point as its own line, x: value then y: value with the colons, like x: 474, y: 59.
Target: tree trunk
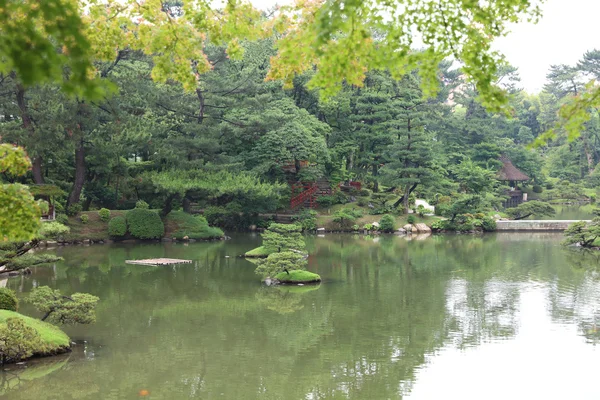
x: 36, y: 169
x: 186, y: 204
x: 406, y: 198
x: 27, y: 122
x: 168, y: 205
x: 375, y: 174
x: 75, y: 194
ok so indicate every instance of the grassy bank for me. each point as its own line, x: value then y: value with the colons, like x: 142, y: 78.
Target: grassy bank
x: 177, y: 225
x: 53, y: 339
x: 325, y: 217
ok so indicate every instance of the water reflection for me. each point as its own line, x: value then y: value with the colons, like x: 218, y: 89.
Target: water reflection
x: 392, y: 319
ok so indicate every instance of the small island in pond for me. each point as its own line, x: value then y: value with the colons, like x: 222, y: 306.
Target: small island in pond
x: 282, y: 257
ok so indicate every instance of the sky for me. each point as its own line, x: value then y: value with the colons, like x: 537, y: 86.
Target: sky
x: 567, y: 29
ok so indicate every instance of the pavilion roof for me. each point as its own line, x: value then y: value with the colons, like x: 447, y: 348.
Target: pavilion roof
x: 509, y: 172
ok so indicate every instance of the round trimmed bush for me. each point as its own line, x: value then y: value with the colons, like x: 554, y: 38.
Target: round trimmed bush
x: 144, y: 224
x: 117, y: 227
x: 84, y: 218
x: 411, y: 219
x: 8, y: 300
x: 537, y: 189
x: 104, y: 214
x: 142, y: 204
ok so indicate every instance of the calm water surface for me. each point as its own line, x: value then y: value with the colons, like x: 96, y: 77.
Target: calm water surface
x: 506, y: 316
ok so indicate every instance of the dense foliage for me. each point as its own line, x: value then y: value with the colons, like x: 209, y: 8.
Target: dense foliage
x: 144, y: 224
x: 117, y: 227
x: 8, y: 300
x: 79, y: 308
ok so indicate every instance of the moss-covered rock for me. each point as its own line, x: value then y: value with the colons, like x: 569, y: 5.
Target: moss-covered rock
x: 259, y: 252
x: 298, y: 276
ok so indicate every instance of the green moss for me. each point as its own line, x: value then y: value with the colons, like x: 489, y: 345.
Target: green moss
x: 259, y: 252
x: 181, y: 224
x: 53, y: 339
x: 298, y: 276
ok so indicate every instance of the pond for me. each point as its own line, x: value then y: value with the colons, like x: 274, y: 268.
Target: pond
x: 497, y: 316
x: 573, y: 211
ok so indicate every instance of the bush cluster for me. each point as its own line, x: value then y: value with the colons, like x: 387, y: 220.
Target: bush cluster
x: 53, y: 230
x: 117, y: 227
x: 144, y: 224
x: 308, y: 220
x: 8, y: 300
x: 104, y: 214
x: 466, y: 223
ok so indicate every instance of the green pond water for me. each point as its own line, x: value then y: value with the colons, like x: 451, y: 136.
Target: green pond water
x: 500, y: 316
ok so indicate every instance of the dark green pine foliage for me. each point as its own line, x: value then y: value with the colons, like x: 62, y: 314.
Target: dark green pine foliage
x: 410, y: 156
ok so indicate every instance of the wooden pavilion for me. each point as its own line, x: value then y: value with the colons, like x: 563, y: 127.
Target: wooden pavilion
x: 512, y: 176
x: 46, y: 193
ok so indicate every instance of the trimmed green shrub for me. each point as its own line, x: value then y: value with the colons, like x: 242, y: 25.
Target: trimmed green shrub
x: 62, y: 218
x: 104, y: 214
x: 386, y: 223
x: 194, y: 227
x: 144, y: 224
x: 84, y: 218
x: 74, y: 209
x: 537, y: 189
x: 53, y: 230
x: 488, y: 224
x: 308, y: 220
x: 141, y: 204
x: 117, y: 227
x: 326, y: 201
x: 8, y: 300
x: 343, y: 218
x: 411, y: 219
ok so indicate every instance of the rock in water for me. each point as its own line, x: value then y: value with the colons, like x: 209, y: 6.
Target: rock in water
x: 422, y: 228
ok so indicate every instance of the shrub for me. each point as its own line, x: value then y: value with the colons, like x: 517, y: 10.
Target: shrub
x: 592, y: 198
x: 53, y: 230
x: 411, y: 219
x: 8, y: 300
x: 488, y: 224
x: 104, y: 214
x: 84, y: 218
x: 194, y: 227
x: 365, y: 192
x: 537, y: 189
x: 308, y: 220
x: 326, y: 201
x: 141, y: 204
x: 421, y: 210
x: 62, y: 218
x: 343, y: 218
x: 362, y: 202
x: 280, y: 262
x: 355, y: 227
x: 386, y: 223
x: 439, y: 225
x: 340, y: 198
x: 117, y: 227
x: 144, y: 224
x: 368, y: 227
x: 74, y: 209
x: 19, y: 341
